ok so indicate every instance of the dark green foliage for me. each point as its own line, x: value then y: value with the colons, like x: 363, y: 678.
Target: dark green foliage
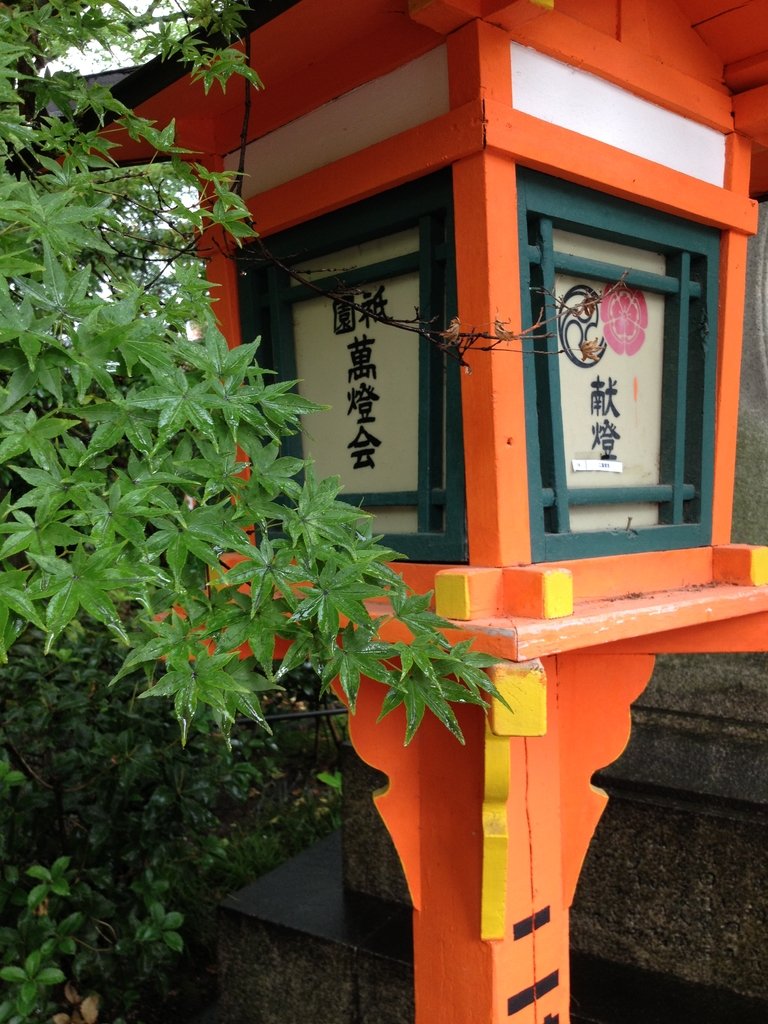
x: 114, y: 842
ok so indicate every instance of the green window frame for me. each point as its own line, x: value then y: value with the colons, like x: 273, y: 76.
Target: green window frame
x: 689, y: 287
x: 267, y: 298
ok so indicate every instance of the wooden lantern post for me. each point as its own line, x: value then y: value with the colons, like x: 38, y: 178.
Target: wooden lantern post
x: 575, y: 178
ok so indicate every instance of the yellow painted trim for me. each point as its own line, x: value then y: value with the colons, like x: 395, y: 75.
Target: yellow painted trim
x: 547, y: 4
x: 524, y: 688
x: 740, y: 564
x: 537, y: 592
x: 758, y: 568
x: 493, y: 907
x: 523, y: 685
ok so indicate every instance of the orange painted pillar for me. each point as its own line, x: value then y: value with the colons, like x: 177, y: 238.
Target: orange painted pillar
x: 733, y: 262
x: 492, y: 834
x: 487, y: 260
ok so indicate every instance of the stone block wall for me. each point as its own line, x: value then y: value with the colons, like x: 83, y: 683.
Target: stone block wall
x: 676, y: 879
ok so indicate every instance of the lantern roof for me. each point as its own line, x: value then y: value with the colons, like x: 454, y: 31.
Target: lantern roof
x: 308, y: 52
x: 737, y: 34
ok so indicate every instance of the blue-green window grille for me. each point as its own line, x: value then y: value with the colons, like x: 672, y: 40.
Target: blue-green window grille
x: 267, y: 294
x: 689, y: 285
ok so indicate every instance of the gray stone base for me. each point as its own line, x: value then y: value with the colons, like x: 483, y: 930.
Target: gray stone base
x: 294, y: 947
x: 608, y: 993
x: 676, y: 878
x: 371, y: 864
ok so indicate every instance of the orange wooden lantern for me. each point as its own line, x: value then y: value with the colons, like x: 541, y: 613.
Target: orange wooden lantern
x: 570, y: 181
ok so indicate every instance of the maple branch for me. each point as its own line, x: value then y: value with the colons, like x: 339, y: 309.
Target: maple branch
x: 455, y: 341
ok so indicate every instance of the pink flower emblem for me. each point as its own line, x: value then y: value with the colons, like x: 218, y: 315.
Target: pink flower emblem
x: 625, y: 316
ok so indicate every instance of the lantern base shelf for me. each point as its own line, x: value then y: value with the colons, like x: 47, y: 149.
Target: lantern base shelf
x: 649, y: 623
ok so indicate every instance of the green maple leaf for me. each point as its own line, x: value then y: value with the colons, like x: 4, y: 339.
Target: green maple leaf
x: 27, y: 433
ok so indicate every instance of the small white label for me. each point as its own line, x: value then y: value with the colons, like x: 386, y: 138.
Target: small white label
x: 597, y: 466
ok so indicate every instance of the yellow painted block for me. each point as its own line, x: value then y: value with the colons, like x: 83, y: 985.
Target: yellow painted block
x: 467, y: 593
x: 548, y: 4
x: 557, y: 593
x: 523, y: 686
x: 452, y: 595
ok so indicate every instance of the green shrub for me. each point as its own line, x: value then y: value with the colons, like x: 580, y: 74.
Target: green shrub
x: 109, y: 836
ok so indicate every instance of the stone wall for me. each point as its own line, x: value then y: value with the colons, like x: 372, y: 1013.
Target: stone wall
x: 676, y: 879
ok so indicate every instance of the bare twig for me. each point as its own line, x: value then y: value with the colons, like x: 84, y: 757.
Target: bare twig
x: 237, y: 185
x: 27, y: 768
x: 455, y: 341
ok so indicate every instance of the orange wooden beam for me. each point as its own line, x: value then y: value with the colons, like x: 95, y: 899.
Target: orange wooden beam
x: 584, y: 47
x: 493, y: 399
x: 410, y: 155
x: 221, y: 271
x: 606, y: 577
x: 554, y: 150
x: 644, y: 573
x: 478, y: 65
x: 752, y: 71
x: 758, y: 181
x: 487, y: 264
x: 746, y: 634
x: 432, y: 805
x: 750, y: 114
x: 446, y: 16
x: 733, y: 269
